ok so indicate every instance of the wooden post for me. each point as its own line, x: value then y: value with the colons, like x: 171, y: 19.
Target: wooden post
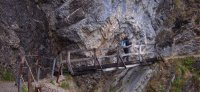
x: 53, y: 67
x: 96, y: 59
x: 61, y: 61
x: 69, y: 63
x: 173, y: 45
x: 119, y: 57
x: 118, y: 49
x: 59, y: 73
x: 140, y: 56
x: 38, y: 72
x: 19, y: 79
x: 29, y: 81
x: 20, y: 74
x: 38, y: 68
x: 122, y: 61
x: 60, y: 69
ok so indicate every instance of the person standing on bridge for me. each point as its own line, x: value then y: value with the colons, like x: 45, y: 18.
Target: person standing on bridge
x: 124, y: 43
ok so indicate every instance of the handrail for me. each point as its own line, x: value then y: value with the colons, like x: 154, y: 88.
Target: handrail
x: 84, y: 50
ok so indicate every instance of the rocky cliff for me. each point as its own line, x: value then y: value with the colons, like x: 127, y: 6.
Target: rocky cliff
x: 48, y: 27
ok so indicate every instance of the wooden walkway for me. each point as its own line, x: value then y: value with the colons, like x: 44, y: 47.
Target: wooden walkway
x: 95, y: 63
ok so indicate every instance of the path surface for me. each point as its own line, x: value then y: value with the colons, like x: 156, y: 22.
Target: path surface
x: 8, y: 87
x: 184, y: 56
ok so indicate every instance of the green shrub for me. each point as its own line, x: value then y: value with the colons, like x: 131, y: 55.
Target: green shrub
x: 6, y: 75
x: 161, y: 88
x: 177, y: 84
x: 64, y: 85
x: 24, y: 88
x: 68, y: 77
x: 52, y: 82
x: 111, y: 89
x: 178, y: 3
x: 182, y: 67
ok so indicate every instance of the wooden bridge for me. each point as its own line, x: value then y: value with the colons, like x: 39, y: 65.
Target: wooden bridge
x: 95, y: 63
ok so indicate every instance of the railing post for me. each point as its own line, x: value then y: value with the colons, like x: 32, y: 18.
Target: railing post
x: 140, y: 56
x: 118, y: 48
x: 53, y: 67
x: 172, y: 51
x: 29, y: 81
x: 38, y: 68
x: 38, y: 73
x: 96, y: 59
x: 120, y: 58
x: 20, y: 74
x: 69, y: 63
x: 61, y: 61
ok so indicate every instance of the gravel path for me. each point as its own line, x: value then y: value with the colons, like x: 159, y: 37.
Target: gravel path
x: 8, y: 87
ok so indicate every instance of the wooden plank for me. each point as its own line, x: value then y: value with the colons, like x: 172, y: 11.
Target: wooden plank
x: 127, y: 66
x: 136, y: 45
x: 90, y: 69
x: 104, y: 66
x: 135, y: 54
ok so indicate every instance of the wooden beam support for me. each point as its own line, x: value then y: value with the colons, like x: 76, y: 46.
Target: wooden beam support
x: 29, y: 81
x: 21, y: 64
x: 96, y: 59
x: 38, y: 73
x: 61, y: 60
x: 69, y: 63
x: 122, y: 61
x: 53, y: 67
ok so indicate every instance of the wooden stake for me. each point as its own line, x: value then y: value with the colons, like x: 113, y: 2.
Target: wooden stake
x: 61, y: 61
x: 69, y: 63
x: 53, y: 67
x: 38, y: 73
x: 96, y: 59
x: 20, y: 74
x: 29, y: 81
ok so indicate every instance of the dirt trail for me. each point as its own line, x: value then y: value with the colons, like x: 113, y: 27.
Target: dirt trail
x: 184, y: 56
x: 8, y: 87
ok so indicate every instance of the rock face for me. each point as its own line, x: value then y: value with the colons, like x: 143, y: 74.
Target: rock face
x: 97, y: 23
x: 23, y: 30
x: 48, y: 27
